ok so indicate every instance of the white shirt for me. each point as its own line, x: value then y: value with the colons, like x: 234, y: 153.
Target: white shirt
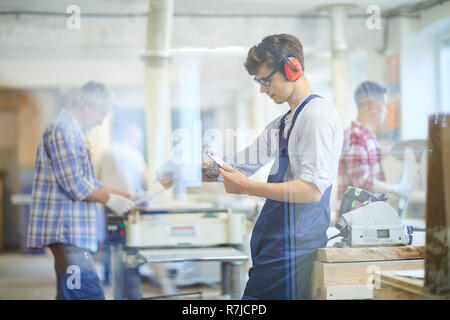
x: 315, y: 146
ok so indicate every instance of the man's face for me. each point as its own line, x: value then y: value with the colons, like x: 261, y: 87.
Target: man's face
x: 379, y: 110
x: 279, y: 89
x: 94, y: 116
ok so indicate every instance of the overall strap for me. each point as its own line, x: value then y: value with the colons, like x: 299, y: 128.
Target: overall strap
x: 297, y: 112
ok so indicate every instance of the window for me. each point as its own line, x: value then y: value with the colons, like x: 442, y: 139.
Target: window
x: 444, y: 76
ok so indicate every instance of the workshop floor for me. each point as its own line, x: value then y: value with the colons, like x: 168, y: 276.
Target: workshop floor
x: 31, y: 276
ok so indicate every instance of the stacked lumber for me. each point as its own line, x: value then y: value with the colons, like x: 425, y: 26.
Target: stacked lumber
x: 354, y: 273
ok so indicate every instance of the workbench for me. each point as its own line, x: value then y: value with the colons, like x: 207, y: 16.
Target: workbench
x: 232, y: 265
x: 353, y: 273
x: 396, y: 287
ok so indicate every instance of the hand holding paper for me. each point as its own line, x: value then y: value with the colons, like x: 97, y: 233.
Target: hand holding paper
x: 234, y: 181
x: 144, y: 199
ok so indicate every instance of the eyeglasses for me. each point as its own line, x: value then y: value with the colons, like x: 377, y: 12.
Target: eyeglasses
x: 266, y: 80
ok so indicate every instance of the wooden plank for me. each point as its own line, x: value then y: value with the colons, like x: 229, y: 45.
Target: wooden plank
x: 333, y: 254
x: 437, y: 266
x: 30, y: 128
x: 360, y: 272
x: 8, y: 131
x: 394, y: 287
x: 9, y: 99
x: 412, y: 285
x: 445, y: 158
x: 356, y: 292
x: 1, y: 215
x: 365, y: 274
x: 317, y: 281
x: 387, y: 292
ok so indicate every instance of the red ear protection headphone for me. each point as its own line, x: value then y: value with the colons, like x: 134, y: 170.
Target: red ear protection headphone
x: 292, y: 69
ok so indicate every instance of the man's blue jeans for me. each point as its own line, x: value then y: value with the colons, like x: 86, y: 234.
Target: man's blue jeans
x: 75, y: 273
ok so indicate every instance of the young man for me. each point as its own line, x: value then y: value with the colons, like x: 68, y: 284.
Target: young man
x: 360, y: 165
x: 66, y: 194
x: 293, y: 222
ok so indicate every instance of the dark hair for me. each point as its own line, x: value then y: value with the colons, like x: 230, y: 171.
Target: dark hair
x: 286, y: 44
x: 369, y: 90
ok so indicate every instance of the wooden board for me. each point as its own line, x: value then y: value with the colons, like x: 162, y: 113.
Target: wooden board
x: 394, y: 287
x: 1, y: 215
x: 445, y: 136
x: 360, y: 292
x: 391, y: 293
x: 9, y: 99
x: 333, y: 254
x: 407, y: 283
x: 8, y: 132
x: 30, y: 128
x: 362, y: 276
x: 437, y: 266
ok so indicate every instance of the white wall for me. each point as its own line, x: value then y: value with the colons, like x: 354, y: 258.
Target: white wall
x: 39, y: 51
x: 416, y: 42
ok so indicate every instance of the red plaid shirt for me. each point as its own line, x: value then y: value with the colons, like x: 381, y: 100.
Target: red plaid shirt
x: 360, y: 162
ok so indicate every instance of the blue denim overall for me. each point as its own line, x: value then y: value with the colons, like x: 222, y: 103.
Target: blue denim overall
x: 286, y: 237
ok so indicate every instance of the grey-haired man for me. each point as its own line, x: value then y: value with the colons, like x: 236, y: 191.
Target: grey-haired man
x: 66, y: 194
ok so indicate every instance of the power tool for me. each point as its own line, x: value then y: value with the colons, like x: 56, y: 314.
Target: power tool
x: 375, y: 223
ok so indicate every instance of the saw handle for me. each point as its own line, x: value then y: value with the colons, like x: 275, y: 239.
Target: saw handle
x: 353, y: 195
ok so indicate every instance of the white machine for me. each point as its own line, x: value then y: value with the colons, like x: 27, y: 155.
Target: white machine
x: 184, y: 228
x: 376, y: 223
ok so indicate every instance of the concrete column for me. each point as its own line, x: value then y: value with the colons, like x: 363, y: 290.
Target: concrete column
x: 340, y: 61
x: 340, y: 64
x: 340, y: 76
x: 157, y: 85
x: 189, y: 137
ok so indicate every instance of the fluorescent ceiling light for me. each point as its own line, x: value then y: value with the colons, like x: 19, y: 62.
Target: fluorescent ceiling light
x: 208, y: 50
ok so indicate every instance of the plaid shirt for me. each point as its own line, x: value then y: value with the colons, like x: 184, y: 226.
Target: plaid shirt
x: 63, y: 178
x: 360, y: 162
